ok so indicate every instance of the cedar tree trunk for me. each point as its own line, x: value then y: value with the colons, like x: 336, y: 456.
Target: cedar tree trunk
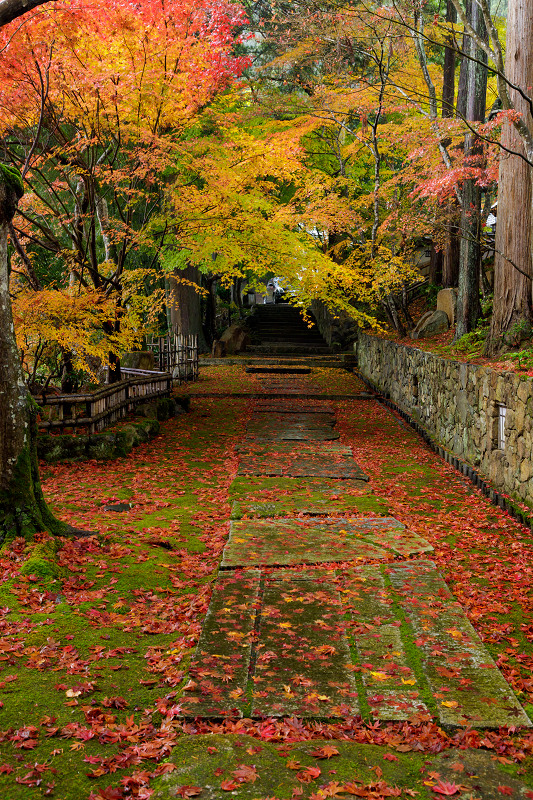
x: 512, y: 288
x: 471, y: 106
x: 186, y: 304
x: 450, y: 61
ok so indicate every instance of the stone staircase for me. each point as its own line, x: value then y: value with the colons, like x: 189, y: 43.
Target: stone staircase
x: 279, y: 330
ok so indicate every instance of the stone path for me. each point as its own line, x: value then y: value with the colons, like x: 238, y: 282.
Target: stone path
x: 316, y: 612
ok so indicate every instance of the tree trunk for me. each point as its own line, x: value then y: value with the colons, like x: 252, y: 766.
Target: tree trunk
x: 23, y: 511
x: 450, y: 264
x: 450, y: 61
x: 450, y: 252
x: 512, y: 289
x: 435, y: 266
x: 471, y: 106
x: 186, y: 304
x: 210, y: 310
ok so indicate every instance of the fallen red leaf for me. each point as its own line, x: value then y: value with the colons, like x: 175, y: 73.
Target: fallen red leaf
x: 448, y: 789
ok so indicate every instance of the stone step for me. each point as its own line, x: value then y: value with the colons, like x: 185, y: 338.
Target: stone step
x: 469, y: 688
x: 219, y: 669
x: 285, y: 349
x: 328, y: 360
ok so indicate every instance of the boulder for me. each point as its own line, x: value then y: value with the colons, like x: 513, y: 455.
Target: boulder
x: 430, y: 324
x: 148, y: 410
x: 101, y: 446
x: 447, y: 302
x: 218, y: 350
x: 236, y: 339
x: 165, y: 408
x: 125, y: 441
x: 143, y: 359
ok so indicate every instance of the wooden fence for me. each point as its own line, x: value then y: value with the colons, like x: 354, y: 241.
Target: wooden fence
x: 97, y: 410
x: 176, y: 354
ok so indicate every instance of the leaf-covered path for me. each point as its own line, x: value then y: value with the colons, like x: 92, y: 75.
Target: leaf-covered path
x: 342, y: 654
x: 337, y: 638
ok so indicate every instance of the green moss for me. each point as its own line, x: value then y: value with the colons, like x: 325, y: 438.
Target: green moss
x: 12, y: 178
x: 206, y: 761
x: 412, y: 652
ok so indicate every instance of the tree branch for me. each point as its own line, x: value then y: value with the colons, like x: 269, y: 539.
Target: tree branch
x: 11, y: 9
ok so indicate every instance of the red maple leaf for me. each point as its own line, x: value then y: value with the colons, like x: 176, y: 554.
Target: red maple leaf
x: 188, y: 791
x: 245, y: 774
x: 325, y: 752
x: 443, y: 787
x: 309, y: 774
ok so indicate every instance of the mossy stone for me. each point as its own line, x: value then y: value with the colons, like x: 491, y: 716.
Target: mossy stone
x: 131, y: 435
x: 123, y: 443
x: 183, y: 401
x: 165, y: 409
x: 101, y: 446
x: 42, y: 561
x: 150, y: 427
x: 206, y: 761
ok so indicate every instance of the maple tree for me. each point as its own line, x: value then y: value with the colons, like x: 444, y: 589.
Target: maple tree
x: 90, y: 105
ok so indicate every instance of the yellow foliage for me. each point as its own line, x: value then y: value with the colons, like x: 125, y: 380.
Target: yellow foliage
x: 76, y: 321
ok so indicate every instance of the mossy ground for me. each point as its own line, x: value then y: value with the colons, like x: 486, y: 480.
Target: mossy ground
x: 112, y: 616
x: 208, y: 761
x: 117, y: 625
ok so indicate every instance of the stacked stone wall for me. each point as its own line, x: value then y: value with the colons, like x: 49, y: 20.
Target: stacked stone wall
x: 338, y: 329
x: 459, y: 406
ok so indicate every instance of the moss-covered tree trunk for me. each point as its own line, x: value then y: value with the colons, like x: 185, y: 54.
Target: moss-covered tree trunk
x: 23, y: 510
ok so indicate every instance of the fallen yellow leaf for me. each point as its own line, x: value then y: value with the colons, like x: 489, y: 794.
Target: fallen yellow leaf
x: 380, y: 676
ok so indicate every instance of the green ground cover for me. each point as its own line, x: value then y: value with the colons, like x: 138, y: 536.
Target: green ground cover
x: 96, y: 641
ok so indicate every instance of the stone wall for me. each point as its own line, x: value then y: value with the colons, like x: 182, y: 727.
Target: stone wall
x: 459, y: 406
x: 338, y: 329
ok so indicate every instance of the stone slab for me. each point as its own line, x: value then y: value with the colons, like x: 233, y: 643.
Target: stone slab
x: 292, y: 385
x: 391, y: 687
x: 301, y: 464
x: 307, y: 574
x: 295, y: 416
x: 219, y: 669
x: 303, y: 663
x: 273, y: 427
x: 285, y: 490
x: 289, y: 406
x: 480, y: 775
x: 279, y: 370
x: 465, y: 682
x: 293, y: 507
x: 271, y: 542
x: 287, y: 450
